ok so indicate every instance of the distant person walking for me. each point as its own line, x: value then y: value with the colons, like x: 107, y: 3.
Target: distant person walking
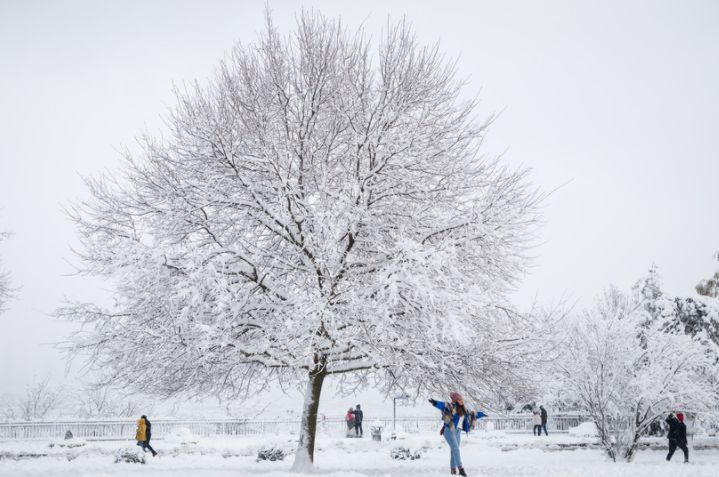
x: 543, y: 415
x: 677, y: 435
x: 456, y: 418
x: 537, y: 423
x: 143, y: 434
x: 358, y: 415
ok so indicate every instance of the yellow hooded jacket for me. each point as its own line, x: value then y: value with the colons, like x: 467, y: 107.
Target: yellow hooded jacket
x: 141, y: 434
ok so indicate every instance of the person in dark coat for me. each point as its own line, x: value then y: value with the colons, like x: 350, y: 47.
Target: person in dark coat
x: 677, y: 435
x: 358, y: 415
x: 543, y: 413
x: 148, y: 434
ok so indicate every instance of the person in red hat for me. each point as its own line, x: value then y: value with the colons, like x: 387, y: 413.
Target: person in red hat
x: 677, y: 435
x: 457, y: 418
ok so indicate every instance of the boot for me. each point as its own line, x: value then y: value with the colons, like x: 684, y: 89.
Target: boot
x: 462, y: 472
x: 453, y: 470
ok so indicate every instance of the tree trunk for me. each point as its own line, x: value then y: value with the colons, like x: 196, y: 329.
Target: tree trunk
x: 629, y: 453
x: 304, y: 458
x: 632, y: 448
x: 604, y: 437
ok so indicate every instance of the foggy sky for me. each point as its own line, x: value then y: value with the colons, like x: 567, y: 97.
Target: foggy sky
x: 617, y: 102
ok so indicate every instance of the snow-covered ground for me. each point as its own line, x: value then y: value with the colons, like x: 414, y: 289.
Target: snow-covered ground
x: 494, y: 453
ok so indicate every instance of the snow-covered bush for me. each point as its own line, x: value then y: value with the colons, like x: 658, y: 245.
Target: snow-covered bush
x: 271, y: 454
x: 129, y: 455
x: 627, y: 371
x: 404, y: 453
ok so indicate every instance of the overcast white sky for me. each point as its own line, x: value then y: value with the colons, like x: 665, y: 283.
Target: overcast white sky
x: 619, y: 99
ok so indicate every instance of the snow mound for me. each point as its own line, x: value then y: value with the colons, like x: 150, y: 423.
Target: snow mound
x: 184, y: 434
x: 585, y: 429
x: 69, y: 443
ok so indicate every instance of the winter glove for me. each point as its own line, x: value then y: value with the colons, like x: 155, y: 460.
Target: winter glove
x: 433, y: 402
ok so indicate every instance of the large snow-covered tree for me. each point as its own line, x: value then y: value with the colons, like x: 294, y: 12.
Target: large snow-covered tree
x: 321, y: 208
x: 627, y: 371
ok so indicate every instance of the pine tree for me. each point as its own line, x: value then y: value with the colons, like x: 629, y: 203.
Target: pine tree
x: 694, y: 316
x: 710, y: 286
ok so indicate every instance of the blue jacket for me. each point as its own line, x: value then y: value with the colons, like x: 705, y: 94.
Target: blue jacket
x: 455, y: 418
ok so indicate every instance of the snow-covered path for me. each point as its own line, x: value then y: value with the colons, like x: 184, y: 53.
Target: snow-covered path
x: 491, y: 454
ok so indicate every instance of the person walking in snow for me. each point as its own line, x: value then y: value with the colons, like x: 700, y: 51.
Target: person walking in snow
x: 536, y: 423
x: 456, y: 418
x: 543, y: 415
x: 677, y: 435
x: 143, y: 434
x: 358, y: 415
x: 141, y: 431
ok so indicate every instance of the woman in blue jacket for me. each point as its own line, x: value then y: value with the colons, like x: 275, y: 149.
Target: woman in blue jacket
x: 457, y: 418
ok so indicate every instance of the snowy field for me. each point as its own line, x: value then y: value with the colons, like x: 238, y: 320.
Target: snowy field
x: 486, y: 454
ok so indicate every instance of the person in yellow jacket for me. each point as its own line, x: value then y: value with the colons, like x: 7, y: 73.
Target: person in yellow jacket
x: 143, y: 433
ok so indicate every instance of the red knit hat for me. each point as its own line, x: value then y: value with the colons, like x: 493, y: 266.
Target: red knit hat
x: 680, y: 416
x: 455, y: 397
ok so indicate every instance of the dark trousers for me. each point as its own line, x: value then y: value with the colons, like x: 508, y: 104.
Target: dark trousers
x: 673, y: 446
x: 544, y: 426
x: 358, y: 428
x: 537, y: 431
x: 146, y: 445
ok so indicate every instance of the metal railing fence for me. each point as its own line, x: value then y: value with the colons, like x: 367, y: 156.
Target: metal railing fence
x: 125, y: 429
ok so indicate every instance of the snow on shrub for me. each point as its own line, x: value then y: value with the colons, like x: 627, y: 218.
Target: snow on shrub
x: 404, y: 453
x: 130, y: 456
x: 271, y: 454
